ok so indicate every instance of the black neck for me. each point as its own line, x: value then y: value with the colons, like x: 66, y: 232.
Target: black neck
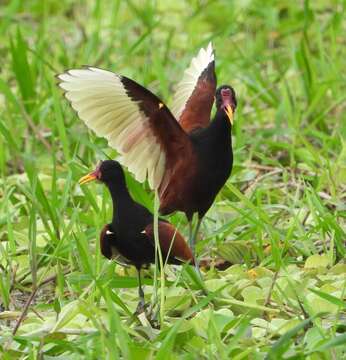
x: 120, y: 195
x: 221, y: 124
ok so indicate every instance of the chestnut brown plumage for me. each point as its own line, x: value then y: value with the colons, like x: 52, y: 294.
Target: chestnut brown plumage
x: 129, y: 238
x: 183, y: 155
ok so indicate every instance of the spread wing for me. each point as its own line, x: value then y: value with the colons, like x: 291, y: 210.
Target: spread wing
x: 133, y: 120
x: 194, y: 96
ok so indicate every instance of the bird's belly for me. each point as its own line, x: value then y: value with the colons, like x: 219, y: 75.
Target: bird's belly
x: 205, y: 190
x: 136, y: 249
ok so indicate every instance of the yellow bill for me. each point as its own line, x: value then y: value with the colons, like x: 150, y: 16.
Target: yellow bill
x: 229, y: 112
x: 87, y: 178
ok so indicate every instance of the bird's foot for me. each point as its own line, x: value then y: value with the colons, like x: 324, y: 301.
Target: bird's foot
x: 146, y: 315
x: 141, y: 307
x: 153, y: 318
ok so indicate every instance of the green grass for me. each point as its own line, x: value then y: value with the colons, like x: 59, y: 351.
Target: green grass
x: 283, y: 209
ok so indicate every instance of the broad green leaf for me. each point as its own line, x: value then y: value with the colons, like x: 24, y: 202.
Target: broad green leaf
x: 317, y: 261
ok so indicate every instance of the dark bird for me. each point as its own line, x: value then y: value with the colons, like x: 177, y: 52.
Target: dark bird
x: 129, y: 238
x: 183, y: 155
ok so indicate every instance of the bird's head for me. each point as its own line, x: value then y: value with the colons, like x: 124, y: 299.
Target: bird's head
x: 108, y: 171
x: 226, y: 100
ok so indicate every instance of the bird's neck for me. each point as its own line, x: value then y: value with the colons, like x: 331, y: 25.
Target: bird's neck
x: 221, y: 125
x: 121, y: 197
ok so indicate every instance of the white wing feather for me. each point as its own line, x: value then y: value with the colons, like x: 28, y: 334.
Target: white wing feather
x: 190, y: 78
x: 101, y: 101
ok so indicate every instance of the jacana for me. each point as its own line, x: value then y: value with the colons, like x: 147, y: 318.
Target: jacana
x: 183, y: 155
x: 129, y: 238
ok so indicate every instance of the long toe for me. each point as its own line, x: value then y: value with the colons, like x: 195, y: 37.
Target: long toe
x: 153, y: 318
x: 141, y: 307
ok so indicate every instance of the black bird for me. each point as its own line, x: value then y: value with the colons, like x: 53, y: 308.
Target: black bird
x: 185, y: 157
x: 129, y: 238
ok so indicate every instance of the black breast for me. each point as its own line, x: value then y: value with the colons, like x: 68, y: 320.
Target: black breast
x: 215, y: 160
x: 129, y: 222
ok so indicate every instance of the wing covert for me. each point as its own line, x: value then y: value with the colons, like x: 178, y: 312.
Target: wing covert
x: 168, y: 234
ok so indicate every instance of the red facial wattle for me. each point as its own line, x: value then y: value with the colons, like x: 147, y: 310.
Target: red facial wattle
x: 226, y: 96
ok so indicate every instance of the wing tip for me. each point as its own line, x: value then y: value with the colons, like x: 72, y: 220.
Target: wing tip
x: 210, y: 51
x: 84, y: 68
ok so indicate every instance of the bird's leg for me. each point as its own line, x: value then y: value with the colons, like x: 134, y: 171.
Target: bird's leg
x: 141, y: 303
x: 193, y: 237
x: 190, y: 231
x: 193, y: 243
